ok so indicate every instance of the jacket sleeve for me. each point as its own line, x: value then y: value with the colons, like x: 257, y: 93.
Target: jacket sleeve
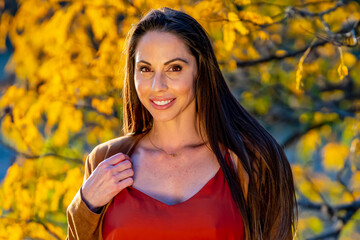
x: 82, y: 222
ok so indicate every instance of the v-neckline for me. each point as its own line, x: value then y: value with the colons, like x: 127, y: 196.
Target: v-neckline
x: 183, y: 202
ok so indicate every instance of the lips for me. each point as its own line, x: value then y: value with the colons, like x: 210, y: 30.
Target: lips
x: 162, y: 104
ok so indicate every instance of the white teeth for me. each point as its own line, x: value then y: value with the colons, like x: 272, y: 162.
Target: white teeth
x: 161, y: 103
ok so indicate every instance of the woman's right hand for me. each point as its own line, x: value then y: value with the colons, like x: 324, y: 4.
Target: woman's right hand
x: 110, y: 177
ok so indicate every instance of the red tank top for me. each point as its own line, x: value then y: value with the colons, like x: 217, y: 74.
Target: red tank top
x: 210, y: 214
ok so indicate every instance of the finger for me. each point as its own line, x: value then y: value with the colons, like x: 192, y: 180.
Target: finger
x: 121, y: 166
x: 124, y: 174
x: 117, y: 158
x: 124, y: 183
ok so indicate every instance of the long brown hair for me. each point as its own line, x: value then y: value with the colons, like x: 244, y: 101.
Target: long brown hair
x: 269, y: 209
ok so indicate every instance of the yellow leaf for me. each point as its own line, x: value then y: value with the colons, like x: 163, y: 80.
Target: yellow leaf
x: 12, y: 95
x: 300, y: 69
x: 334, y: 155
x: 349, y: 59
x: 299, y: 75
x: 328, y: 50
x: 57, y: 230
x: 297, y: 171
x: 308, y: 190
x: 355, y: 149
x: 37, y: 231
x: 61, y: 135
x: 311, y: 140
x: 304, y: 118
x: 103, y: 106
x: 229, y: 36
x: 255, y: 17
x: 5, y: 21
x: 280, y: 52
x: 237, y: 24
x: 347, y: 198
x: 13, y: 177
x: 315, y: 224
x: 265, y: 77
x: 262, y: 105
x: 276, y: 38
x: 25, y: 206
x: 342, y: 71
x: 320, y: 117
x: 263, y: 35
x: 71, y: 185
x: 301, y: 224
x: 326, y: 131
x: 232, y: 65
x: 252, y: 53
x: 53, y: 111
x: 241, y: 28
x: 15, y: 232
x: 335, y: 95
x: 356, y: 181
x: 242, y: 2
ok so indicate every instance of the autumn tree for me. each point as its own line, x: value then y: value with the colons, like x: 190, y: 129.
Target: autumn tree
x: 292, y: 64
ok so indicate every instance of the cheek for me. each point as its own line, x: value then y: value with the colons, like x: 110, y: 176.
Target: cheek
x: 185, y: 88
x: 139, y: 87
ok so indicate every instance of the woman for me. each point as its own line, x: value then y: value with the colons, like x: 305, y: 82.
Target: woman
x: 194, y: 164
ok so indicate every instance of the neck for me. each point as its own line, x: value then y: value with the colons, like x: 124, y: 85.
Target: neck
x: 171, y: 137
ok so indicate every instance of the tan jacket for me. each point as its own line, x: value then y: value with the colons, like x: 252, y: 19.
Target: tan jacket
x: 84, y: 224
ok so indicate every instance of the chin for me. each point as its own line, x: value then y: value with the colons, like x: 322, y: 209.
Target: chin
x: 162, y: 118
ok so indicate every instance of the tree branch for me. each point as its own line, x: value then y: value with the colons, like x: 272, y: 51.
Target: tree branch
x: 331, y: 211
x: 34, y: 221
x: 28, y: 156
x: 277, y: 58
x: 305, y: 13
x: 45, y: 227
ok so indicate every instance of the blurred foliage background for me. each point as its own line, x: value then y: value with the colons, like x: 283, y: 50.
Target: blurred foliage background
x: 292, y: 64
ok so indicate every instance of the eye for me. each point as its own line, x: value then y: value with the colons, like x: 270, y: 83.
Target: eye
x: 144, y: 69
x: 175, y: 68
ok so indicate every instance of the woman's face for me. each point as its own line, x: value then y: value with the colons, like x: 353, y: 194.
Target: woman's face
x: 164, y: 76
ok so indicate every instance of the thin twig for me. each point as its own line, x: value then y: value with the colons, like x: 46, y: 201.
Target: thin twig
x: 277, y: 58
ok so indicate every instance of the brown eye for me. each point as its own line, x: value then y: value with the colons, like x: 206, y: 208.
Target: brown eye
x: 145, y: 69
x: 175, y: 68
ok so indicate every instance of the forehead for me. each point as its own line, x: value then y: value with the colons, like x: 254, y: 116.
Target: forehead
x: 161, y: 46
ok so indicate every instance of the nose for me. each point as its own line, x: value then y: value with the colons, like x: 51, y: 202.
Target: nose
x: 159, y: 82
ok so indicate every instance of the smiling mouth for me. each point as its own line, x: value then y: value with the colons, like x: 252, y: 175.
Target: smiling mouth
x: 162, y: 103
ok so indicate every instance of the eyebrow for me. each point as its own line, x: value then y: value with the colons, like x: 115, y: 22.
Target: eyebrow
x: 168, y: 62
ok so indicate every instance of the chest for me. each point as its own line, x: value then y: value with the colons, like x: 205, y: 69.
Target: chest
x: 172, y: 180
